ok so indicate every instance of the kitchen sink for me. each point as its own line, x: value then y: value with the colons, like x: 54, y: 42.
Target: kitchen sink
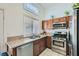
x: 34, y: 36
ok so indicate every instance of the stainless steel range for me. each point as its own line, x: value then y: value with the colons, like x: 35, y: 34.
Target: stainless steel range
x: 59, y: 42
x: 59, y: 39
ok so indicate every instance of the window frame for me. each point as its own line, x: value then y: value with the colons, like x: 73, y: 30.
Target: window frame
x: 30, y: 10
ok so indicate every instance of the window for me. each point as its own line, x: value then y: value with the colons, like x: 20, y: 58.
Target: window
x: 28, y: 26
x: 31, y: 8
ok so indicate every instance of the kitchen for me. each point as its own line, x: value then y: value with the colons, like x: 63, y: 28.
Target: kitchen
x: 29, y: 31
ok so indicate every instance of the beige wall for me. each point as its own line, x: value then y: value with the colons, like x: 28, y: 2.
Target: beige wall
x: 13, y: 19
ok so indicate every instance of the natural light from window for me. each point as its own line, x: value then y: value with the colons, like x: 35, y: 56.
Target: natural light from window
x: 31, y: 8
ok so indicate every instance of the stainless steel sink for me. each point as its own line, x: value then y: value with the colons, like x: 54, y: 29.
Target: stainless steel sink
x: 34, y: 36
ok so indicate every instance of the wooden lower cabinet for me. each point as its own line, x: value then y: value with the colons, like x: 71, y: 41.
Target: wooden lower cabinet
x: 42, y: 45
x: 48, y: 42
x: 39, y: 46
x: 36, y: 49
x: 12, y: 52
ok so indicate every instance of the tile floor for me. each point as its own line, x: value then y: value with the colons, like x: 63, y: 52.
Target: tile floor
x: 49, y: 52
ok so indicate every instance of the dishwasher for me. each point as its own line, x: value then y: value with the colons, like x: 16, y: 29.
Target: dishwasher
x: 25, y: 50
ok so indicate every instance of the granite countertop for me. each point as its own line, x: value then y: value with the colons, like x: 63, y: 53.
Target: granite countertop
x: 13, y: 43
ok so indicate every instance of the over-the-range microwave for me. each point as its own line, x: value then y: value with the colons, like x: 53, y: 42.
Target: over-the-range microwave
x: 60, y: 25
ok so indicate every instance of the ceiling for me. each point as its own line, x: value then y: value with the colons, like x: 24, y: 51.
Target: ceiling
x: 49, y: 5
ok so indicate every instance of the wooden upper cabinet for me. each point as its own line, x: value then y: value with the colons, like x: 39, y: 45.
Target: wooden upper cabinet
x: 68, y: 18
x: 48, y: 24
x: 44, y: 25
x: 63, y: 19
x: 56, y: 20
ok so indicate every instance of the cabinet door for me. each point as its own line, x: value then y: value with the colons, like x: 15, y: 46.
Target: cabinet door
x: 68, y: 18
x: 49, y: 25
x: 56, y: 20
x: 36, y: 50
x: 44, y: 24
x: 48, y: 42
x: 63, y: 19
x: 42, y: 45
x: 44, y: 42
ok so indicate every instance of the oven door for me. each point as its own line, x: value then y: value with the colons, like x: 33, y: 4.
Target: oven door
x: 58, y: 43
